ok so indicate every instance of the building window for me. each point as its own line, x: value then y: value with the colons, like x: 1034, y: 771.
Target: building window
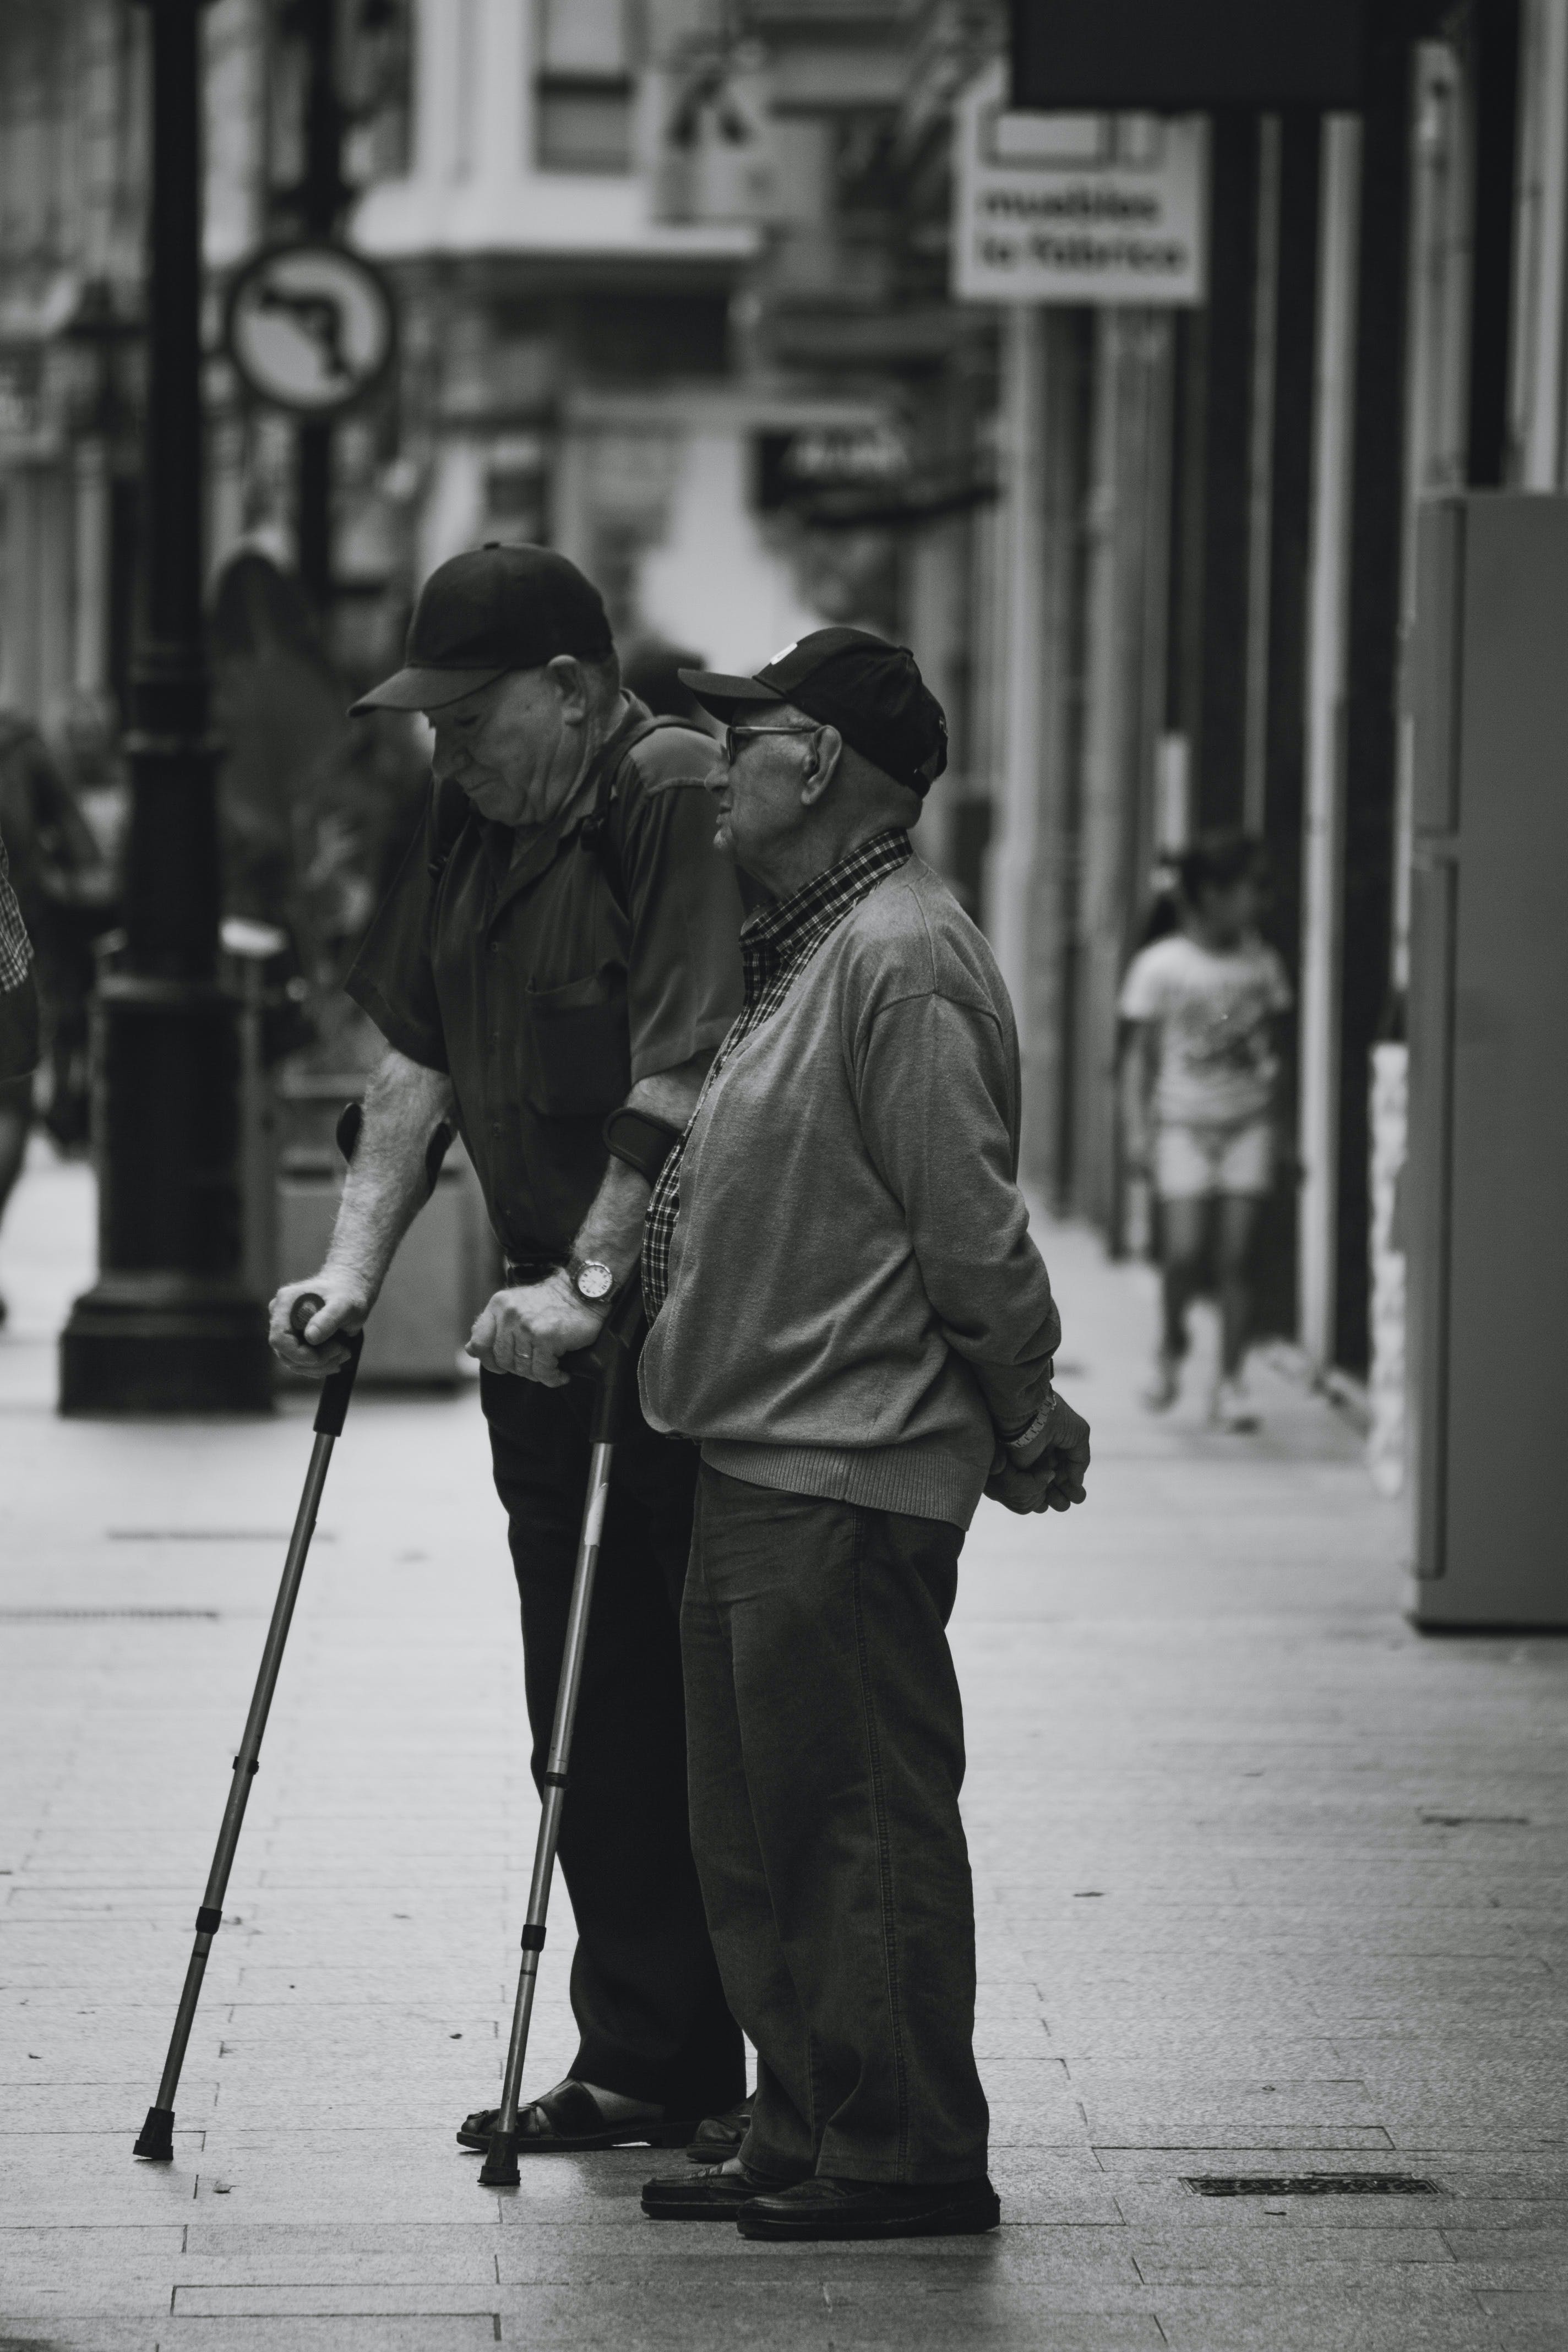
x: 583, y: 86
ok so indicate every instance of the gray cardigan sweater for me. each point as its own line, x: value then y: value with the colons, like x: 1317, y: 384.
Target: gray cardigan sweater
x: 855, y: 1303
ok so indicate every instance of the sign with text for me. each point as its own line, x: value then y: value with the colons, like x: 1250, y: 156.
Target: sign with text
x: 1097, y: 209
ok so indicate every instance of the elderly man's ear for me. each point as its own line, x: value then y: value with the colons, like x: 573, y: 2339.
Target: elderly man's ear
x: 571, y: 682
x: 822, y: 768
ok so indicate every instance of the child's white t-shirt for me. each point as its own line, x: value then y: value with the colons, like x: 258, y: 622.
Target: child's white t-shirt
x: 1217, y: 1064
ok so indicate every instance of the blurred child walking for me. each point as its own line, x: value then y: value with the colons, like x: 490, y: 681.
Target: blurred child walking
x: 1204, y: 1003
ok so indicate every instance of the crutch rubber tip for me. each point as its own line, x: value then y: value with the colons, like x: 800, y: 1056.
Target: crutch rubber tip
x: 499, y: 2167
x: 157, y: 2141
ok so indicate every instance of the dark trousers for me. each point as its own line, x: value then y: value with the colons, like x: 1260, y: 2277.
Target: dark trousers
x: 827, y: 1754
x: 645, y: 1993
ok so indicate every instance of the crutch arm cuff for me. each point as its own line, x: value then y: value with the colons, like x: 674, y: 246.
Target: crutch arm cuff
x: 639, y: 1141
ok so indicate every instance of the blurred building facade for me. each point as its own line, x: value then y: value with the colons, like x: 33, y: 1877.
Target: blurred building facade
x: 674, y: 288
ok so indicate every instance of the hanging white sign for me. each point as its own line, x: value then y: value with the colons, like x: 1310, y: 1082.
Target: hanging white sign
x: 1097, y: 209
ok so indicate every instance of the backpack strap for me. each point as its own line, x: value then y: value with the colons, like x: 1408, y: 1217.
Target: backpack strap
x: 596, y: 833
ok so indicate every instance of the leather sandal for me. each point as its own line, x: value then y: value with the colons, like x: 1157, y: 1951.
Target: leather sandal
x: 568, y: 2122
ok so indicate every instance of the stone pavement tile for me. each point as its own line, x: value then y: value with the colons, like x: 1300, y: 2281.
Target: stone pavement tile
x: 20, y: 2332
x: 85, y: 2180
x: 1541, y: 2275
x: 359, y: 2299
x: 54, y: 2109
x: 243, y: 2254
x: 1528, y: 2323
x: 817, y: 2310
x: 344, y: 2178
x: 1543, y: 2237
x: 1128, y: 2164
x: 1083, y: 2263
x: 1407, y: 2313
x: 47, y: 2271
x: 1188, y: 2111
x: 372, y: 2331
x: 1277, y: 2251
x: 1304, y: 2139
x: 1052, y: 2185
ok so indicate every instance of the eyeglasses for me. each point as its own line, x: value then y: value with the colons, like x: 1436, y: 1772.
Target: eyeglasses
x: 735, y: 736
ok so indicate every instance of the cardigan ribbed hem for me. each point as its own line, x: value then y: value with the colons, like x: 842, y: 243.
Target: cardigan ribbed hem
x: 921, y: 1481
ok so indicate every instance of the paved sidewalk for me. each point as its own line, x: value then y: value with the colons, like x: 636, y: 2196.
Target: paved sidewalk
x: 1269, y: 1884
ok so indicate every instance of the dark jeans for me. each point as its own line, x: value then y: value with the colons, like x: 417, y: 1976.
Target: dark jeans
x: 645, y: 1993
x: 827, y: 1743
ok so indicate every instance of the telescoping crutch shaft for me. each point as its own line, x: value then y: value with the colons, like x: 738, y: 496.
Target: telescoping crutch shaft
x: 610, y: 1362
x: 157, y: 2139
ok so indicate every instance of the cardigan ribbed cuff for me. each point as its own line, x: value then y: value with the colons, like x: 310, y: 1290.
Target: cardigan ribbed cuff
x: 924, y: 1482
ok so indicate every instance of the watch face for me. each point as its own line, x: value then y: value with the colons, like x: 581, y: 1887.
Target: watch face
x: 594, y: 1281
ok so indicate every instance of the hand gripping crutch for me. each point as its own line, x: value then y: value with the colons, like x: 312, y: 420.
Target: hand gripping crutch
x: 157, y: 2139
x: 611, y: 1362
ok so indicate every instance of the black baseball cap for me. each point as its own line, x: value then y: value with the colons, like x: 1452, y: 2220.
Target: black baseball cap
x: 870, y: 690
x: 488, y: 611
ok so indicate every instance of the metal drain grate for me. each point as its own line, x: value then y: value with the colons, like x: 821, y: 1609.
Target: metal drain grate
x: 72, y: 1616
x: 1309, y: 2184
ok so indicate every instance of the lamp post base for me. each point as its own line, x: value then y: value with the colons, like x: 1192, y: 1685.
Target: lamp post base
x: 164, y: 1343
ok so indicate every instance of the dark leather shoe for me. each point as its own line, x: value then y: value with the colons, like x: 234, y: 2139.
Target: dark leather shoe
x: 716, y: 2192
x: 717, y: 2136
x: 872, y: 2209
x: 567, y: 2122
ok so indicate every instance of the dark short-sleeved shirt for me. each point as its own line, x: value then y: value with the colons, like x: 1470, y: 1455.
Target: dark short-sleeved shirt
x: 546, y: 984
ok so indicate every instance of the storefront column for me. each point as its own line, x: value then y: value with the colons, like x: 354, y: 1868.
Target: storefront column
x: 1327, y: 613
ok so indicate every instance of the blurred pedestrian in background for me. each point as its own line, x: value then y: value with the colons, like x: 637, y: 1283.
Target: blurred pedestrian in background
x: 18, y: 1036
x: 1203, y: 1002
x: 56, y: 873
x: 85, y: 733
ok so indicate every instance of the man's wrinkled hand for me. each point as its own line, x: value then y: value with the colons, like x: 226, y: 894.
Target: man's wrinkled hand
x: 345, y: 1303
x: 525, y: 1332
x: 1053, y: 1477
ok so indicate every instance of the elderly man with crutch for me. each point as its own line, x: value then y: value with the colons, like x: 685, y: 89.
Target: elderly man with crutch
x: 850, y: 1317
x: 552, y: 969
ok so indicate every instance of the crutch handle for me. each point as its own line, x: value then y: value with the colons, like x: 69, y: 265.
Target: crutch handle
x: 612, y: 1359
x: 338, y: 1386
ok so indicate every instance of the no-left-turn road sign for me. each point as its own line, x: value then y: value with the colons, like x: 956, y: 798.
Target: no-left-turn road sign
x: 311, y: 327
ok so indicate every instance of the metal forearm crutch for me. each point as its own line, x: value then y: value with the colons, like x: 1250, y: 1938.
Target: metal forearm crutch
x: 157, y: 2139
x: 611, y: 1362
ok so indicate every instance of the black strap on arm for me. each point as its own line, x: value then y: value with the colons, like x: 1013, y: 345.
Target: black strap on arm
x: 640, y: 1140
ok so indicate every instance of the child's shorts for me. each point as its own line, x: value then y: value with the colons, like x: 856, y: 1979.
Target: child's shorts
x: 1194, y: 1164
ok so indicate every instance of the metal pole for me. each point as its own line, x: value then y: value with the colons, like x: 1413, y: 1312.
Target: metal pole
x: 168, y: 1327
x: 320, y: 199
x: 499, y: 2169
x: 611, y: 1359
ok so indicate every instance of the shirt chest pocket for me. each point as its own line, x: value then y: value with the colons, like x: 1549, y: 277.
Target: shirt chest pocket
x: 579, y: 1045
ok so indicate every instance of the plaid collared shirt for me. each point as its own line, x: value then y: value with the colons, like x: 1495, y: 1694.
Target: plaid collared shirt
x: 15, y: 947
x: 775, y: 946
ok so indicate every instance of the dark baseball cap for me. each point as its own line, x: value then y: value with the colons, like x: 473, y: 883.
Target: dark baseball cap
x: 870, y: 690
x: 490, y: 610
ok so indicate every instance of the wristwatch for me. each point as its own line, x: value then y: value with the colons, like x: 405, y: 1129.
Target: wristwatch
x: 591, y: 1278
x: 1031, y: 1434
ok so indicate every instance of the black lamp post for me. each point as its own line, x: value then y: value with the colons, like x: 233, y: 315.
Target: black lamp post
x: 319, y: 203
x: 168, y: 1327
